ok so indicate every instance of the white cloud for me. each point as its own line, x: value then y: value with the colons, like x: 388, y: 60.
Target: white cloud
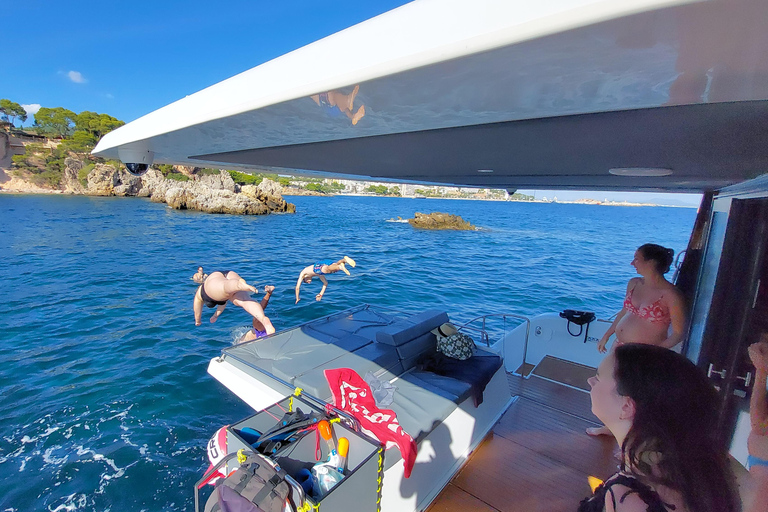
x: 77, y: 77
x: 31, y: 109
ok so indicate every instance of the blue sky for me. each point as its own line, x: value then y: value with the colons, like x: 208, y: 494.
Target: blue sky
x: 127, y: 59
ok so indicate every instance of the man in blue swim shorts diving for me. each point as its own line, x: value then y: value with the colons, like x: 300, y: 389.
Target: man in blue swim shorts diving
x: 319, y: 270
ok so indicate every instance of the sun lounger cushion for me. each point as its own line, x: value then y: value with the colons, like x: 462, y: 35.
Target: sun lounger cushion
x: 411, y: 328
x: 476, y: 371
x: 376, y: 358
x: 418, y: 408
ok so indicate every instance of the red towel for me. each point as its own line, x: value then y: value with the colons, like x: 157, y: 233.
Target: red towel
x: 353, y: 395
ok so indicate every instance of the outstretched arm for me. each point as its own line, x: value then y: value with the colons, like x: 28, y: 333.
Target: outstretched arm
x: 325, y: 285
x: 612, y: 329
x: 298, y: 286
x: 758, y: 406
x: 677, y: 319
x: 217, y: 314
x: 197, y: 307
x: 267, y: 295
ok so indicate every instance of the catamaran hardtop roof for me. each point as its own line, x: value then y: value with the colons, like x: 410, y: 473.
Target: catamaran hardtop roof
x: 578, y: 94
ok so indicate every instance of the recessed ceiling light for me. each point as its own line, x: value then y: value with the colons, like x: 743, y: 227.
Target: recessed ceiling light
x: 640, y: 171
x: 485, y: 170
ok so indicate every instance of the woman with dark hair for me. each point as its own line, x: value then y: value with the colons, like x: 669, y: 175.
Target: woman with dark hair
x: 663, y: 412
x: 651, y: 306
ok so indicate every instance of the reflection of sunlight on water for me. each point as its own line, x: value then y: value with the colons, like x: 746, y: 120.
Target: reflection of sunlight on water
x: 237, y: 333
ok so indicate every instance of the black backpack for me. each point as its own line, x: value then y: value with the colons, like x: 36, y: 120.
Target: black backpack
x: 258, y: 485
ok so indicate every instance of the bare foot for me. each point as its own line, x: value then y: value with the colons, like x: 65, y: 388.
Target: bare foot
x: 352, y: 98
x: 358, y: 115
x: 598, y: 431
x: 246, y: 287
x: 269, y: 289
x: 350, y: 261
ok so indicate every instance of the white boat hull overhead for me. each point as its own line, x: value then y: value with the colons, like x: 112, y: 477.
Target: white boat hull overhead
x: 531, y: 96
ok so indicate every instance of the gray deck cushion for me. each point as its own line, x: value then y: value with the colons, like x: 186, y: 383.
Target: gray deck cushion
x: 379, y: 359
x: 411, y: 328
x: 289, y: 354
x: 417, y: 346
x: 418, y: 409
x: 456, y: 390
x: 362, y: 321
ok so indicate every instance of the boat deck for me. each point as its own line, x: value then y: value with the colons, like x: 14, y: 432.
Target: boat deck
x: 537, y: 457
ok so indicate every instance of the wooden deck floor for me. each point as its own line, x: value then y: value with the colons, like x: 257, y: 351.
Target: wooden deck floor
x: 537, y: 458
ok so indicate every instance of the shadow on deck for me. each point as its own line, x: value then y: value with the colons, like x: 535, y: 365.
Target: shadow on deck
x: 537, y: 457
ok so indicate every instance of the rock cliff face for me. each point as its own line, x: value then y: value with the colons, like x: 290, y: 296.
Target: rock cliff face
x: 216, y: 193
x: 437, y: 220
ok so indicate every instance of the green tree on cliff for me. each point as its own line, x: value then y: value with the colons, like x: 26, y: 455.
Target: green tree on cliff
x: 55, y: 121
x: 96, y: 124
x: 11, y: 110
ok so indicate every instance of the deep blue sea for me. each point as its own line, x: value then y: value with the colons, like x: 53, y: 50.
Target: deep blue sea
x: 106, y: 403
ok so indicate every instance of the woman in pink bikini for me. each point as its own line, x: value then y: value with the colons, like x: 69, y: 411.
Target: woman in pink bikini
x: 651, y: 306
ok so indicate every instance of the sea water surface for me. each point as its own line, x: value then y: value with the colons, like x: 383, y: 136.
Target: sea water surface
x: 106, y: 403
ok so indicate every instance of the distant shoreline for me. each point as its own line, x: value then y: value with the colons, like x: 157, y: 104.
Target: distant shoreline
x: 588, y: 202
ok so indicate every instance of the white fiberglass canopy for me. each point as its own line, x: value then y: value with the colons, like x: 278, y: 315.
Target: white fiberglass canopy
x: 631, y: 95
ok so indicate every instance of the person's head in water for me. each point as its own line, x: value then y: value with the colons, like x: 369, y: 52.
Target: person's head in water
x: 666, y: 410
x: 657, y: 257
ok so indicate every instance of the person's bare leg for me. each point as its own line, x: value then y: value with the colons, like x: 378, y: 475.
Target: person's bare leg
x: 599, y: 431
x: 358, y: 115
x: 351, y: 97
x: 235, y: 283
x: 335, y: 267
x: 254, y: 309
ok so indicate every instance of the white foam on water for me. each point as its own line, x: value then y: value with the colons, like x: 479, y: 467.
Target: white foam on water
x: 48, y: 457
x: 237, y: 333
x: 398, y: 221
x: 71, y: 503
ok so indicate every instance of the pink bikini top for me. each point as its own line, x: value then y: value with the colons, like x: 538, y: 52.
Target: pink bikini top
x: 655, y: 312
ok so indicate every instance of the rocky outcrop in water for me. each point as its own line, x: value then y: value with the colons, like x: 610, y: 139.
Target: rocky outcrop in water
x: 213, y: 193
x: 438, y: 220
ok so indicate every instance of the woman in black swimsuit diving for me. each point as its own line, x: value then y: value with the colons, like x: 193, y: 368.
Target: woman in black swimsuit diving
x: 662, y: 410
x: 221, y: 287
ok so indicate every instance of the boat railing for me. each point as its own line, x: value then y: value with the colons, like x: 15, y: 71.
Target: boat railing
x: 497, y: 333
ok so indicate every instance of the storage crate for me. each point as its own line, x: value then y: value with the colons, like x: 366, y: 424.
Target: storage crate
x: 359, y: 490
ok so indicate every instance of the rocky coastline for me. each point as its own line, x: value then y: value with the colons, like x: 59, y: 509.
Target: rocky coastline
x: 213, y: 193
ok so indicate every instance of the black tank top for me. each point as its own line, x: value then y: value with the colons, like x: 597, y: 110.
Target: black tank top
x: 596, y: 502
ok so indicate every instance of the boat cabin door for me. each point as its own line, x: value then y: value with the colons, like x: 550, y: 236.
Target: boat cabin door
x: 730, y: 308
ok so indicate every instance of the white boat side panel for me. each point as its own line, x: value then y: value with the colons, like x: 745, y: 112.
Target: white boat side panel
x: 256, y: 394
x: 549, y: 336
x: 463, y: 430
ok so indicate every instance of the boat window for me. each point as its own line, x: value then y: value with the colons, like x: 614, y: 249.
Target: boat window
x: 706, y: 288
